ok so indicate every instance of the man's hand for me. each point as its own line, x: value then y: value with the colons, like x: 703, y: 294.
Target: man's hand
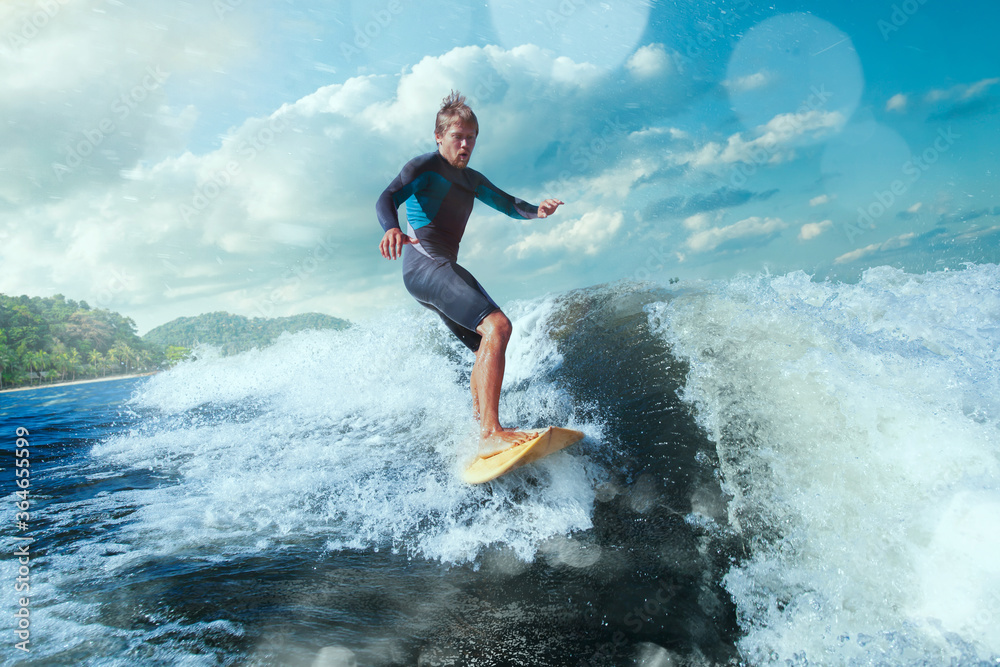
x: 391, y: 245
x: 548, y: 207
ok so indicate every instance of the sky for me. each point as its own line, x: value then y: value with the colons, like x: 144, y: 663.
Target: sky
x: 171, y: 159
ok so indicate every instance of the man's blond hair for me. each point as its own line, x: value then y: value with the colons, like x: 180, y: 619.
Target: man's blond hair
x: 454, y: 109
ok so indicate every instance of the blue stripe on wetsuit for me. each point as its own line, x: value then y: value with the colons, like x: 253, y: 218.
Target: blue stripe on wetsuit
x: 423, y: 197
x: 439, y: 200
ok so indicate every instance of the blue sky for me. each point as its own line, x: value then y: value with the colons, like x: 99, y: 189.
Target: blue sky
x: 168, y: 160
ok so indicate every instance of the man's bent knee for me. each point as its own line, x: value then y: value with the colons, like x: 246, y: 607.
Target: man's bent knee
x: 496, y: 324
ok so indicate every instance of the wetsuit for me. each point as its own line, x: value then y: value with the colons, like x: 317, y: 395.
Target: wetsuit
x: 439, y: 199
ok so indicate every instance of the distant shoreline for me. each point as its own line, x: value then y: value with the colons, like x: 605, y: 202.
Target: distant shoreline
x: 72, y: 382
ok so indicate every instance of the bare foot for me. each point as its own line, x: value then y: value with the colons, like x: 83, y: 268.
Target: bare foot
x: 502, y: 439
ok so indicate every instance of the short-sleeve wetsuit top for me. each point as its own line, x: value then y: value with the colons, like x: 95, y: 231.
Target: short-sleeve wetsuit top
x: 439, y: 200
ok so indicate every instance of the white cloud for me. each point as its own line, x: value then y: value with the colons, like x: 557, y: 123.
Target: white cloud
x: 281, y: 213
x: 980, y: 87
x: 85, y: 87
x: 897, y: 242
x: 697, y: 221
x: 772, y: 144
x: 811, y: 230
x: 857, y: 254
x: 962, y: 91
x: 587, y: 234
x: 711, y: 238
x: 893, y: 243
x: 660, y: 134
x: 650, y: 61
x: 897, y: 102
x: 820, y: 200
x: 749, y: 82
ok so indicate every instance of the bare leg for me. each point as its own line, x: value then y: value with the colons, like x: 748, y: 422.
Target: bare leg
x: 474, y: 384
x: 487, y: 380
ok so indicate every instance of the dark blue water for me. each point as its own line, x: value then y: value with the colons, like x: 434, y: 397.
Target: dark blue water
x: 775, y: 471
x: 220, y: 524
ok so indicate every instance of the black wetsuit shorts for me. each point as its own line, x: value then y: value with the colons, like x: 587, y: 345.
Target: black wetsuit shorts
x: 449, y: 290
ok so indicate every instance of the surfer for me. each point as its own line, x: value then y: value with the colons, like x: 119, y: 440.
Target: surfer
x: 439, y: 190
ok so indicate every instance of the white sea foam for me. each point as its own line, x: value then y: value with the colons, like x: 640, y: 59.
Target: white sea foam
x: 857, y: 429
x: 326, y: 441
x: 351, y: 438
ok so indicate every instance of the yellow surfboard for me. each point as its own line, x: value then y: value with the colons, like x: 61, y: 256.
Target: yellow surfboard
x: 546, y: 442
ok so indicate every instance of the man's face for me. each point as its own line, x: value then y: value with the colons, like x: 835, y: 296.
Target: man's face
x: 457, y: 142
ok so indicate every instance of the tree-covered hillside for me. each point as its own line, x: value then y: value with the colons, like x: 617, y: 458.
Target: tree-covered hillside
x: 235, y: 333
x: 55, y: 338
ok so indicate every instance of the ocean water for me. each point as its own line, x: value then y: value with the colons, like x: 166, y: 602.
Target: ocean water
x: 775, y: 471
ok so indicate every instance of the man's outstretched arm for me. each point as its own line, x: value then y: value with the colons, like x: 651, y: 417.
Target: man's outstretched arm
x: 512, y: 206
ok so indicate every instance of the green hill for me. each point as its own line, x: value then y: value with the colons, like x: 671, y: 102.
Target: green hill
x: 235, y: 333
x: 56, y: 339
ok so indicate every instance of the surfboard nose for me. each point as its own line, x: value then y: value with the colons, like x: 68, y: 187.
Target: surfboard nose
x: 547, y: 442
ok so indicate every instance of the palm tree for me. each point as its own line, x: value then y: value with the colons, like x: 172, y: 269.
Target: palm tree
x: 74, y: 361
x: 128, y: 355
x: 123, y: 352
x: 113, y: 357
x: 5, y: 358
x: 37, y: 361
x: 95, y: 360
x: 62, y: 365
x: 145, y: 358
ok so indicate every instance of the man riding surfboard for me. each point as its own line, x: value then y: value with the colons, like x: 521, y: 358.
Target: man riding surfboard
x: 439, y: 190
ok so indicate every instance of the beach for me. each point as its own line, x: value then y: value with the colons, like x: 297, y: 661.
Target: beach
x: 69, y: 383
